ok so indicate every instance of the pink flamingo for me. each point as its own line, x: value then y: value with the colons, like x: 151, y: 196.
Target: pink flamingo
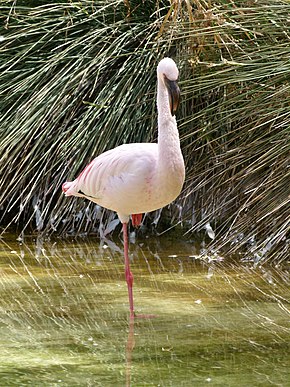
x: 132, y: 179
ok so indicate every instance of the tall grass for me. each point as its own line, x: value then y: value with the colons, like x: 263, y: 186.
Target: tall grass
x: 78, y: 77
x: 240, y: 116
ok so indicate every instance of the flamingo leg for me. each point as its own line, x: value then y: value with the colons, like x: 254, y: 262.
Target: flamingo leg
x: 128, y: 273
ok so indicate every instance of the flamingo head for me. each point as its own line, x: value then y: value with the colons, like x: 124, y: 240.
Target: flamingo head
x: 167, y: 72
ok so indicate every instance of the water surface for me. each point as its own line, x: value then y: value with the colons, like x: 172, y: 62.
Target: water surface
x: 64, y: 316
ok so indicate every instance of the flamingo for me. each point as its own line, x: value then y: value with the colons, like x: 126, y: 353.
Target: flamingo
x: 136, y: 178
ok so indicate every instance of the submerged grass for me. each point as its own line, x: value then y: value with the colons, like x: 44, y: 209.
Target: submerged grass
x: 78, y: 77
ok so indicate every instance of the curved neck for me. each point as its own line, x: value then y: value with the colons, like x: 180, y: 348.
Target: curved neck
x: 168, y: 136
x: 163, y: 105
x: 167, y: 126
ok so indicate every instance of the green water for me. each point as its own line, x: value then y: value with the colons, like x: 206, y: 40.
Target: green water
x: 64, y: 317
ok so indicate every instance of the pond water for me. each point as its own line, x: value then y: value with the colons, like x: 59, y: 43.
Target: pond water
x: 64, y: 316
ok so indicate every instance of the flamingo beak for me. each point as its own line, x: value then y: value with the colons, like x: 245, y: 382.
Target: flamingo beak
x: 173, y: 93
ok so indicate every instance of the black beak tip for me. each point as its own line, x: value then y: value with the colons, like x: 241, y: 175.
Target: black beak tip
x: 173, y: 94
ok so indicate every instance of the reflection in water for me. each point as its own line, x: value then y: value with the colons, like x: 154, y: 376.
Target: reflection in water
x: 129, y: 349
x: 64, y: 318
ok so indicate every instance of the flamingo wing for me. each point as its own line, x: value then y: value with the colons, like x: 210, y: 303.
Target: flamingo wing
x: 117, y: 179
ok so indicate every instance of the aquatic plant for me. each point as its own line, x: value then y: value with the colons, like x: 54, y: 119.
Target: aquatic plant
x: 78, y: 77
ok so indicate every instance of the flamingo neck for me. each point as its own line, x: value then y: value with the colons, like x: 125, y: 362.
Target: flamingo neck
x: 168, y: 136
x: 163, y: 105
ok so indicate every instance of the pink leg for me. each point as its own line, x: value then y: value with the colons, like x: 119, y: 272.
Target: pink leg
x: 128, y: 274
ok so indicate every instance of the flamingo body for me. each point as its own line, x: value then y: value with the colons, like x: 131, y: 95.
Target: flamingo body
x: 132, y: 179
x: 127, y: 180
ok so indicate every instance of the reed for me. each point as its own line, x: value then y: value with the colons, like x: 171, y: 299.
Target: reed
x: 78, y: 77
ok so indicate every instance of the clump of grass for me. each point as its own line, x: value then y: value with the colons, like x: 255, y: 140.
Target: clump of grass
x: 71, y: 75
x: 240, y: 119
x: 78, y: 77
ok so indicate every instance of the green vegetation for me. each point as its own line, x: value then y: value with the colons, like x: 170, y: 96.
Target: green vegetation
x: 78, y: 77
